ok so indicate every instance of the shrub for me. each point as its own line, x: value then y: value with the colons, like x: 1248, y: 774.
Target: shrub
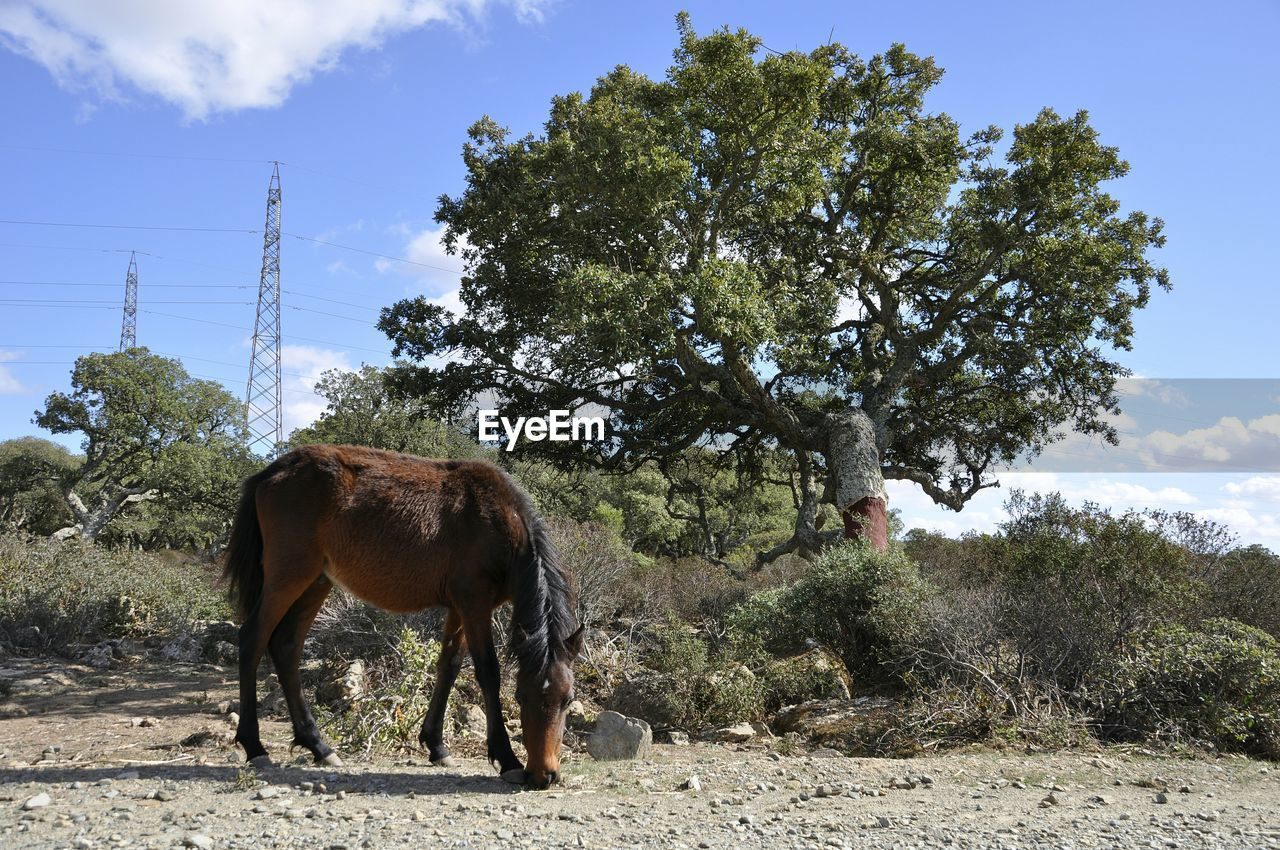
x: 686, y: 686
x: 1081, y: 584
x: 600, y: 562
x: 1218, y: 686
x: 74, y: 592
x: 390, y: 709
x: 1244, y: 585
x: 860, y: 604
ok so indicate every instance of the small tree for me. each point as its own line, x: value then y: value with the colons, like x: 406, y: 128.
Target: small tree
x: 151, y: 431
x: 362, y: 413
x: 32, y: 472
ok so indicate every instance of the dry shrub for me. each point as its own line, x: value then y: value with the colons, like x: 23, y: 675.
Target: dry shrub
x: 55, y: 595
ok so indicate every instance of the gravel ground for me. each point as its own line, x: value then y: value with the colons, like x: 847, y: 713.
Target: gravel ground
x: 93, y: 760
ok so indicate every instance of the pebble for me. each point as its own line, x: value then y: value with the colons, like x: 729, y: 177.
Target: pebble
x: 198, y: 840
x: 39, y: 801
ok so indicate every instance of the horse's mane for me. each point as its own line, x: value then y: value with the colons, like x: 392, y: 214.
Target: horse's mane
x: 543, y: 608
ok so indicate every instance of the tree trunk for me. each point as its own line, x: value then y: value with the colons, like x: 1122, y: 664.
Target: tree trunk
x: 853, y: 461
x: 91, y: 523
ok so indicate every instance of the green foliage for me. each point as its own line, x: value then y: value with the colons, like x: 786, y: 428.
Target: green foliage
x: 860, y: 604
x: 1082, y: 582
x: 1244, y: 585
x: 152, y: 433
x: 1216, y: 685
x: 75, y: 593
x: 789, y: 681
x: 32, y: 472
x: 362, y: 412
x: 683, y: 252
x: 389, y: 711
x: 700, y: 690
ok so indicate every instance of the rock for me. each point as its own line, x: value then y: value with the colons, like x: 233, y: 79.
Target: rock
x: 1161, y: 797
x: 472, y: 720
x: 198, y: 840
x: 99, y: 657
x: 693, y: 783
x: 576, y: 715
x: 737, y: 734
x: 39, y: 801
x: 617, y: 737
x: 846, y: 725
x: 183, y: 648
x: 674, y: 737
x: 222, y: 652
x: 648, y: 697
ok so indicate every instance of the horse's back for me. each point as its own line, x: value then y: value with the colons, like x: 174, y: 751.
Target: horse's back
x: 394, y: 529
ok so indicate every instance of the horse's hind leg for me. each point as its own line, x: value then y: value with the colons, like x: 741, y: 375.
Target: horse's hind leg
x: 254, y: 634
x: 454, y: 644
x: 286, y: 654
x: 489, y: 676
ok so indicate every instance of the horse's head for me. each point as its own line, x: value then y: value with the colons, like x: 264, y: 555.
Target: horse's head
x: 544, y: 698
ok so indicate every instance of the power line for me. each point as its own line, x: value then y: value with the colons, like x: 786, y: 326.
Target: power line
x: 84, y: 302
x: 113, y: 285
x: 129, y: 226
x: 134, y: 154
x: 372, y: 253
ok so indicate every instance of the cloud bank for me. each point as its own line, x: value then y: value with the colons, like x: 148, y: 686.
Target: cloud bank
x: 208, y: 58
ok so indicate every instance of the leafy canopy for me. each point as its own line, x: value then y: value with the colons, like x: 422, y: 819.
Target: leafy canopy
x: 150, y: 430
x: 733, y: 254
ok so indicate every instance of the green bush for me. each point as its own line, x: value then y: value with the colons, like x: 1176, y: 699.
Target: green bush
x: 74, y: 592
x: 860, y: 604
x: 389, y: 711
x: 1217, y: 686
x: 689, y: 686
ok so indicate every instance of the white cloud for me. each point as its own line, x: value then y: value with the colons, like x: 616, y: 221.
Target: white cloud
x: 1231, y: 443
x: 215, y: 57
x: 431, y: 266
x: 309, y: 362
x: 9, y: 383
x: 1261, y: 487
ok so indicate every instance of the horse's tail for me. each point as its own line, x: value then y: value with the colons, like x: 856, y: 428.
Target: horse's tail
x: 243, y: 568
x: 544, y: 602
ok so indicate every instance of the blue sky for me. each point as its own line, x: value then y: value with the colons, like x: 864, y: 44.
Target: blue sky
x: 113, y: 119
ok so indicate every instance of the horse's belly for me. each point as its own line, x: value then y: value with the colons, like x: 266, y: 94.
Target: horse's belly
x: 401, y: 589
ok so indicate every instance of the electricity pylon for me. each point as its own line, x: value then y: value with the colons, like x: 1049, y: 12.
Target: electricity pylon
x: 262, y: 396
x: 129, y: 324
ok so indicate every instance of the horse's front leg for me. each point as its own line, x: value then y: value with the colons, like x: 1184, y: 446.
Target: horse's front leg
x: 489, y: 677
x: 453, y: 645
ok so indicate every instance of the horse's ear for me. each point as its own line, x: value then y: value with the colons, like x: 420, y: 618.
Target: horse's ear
x: 574, y: 642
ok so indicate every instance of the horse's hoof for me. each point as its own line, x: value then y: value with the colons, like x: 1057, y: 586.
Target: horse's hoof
x: 262, y: 762
x: 516, y: 776
x: 445, y: 761
x: 331, y: 760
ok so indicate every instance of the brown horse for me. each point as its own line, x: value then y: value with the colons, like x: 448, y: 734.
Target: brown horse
x: 405, y: 533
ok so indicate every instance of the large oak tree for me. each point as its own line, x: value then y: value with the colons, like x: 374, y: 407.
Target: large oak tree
x: 770, y: 252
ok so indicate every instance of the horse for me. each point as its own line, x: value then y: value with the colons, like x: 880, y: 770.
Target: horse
x: 405, y: 533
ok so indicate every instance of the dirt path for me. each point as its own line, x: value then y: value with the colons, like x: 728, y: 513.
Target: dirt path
x: 72, y: 734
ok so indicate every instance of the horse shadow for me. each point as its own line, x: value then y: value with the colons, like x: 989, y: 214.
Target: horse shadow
x: 429, y: 782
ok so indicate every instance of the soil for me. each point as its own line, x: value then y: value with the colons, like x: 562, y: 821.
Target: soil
x: 142, y: 757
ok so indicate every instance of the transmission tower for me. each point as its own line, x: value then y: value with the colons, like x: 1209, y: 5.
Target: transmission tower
x: 129, y: 324
x: 262, y: 396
